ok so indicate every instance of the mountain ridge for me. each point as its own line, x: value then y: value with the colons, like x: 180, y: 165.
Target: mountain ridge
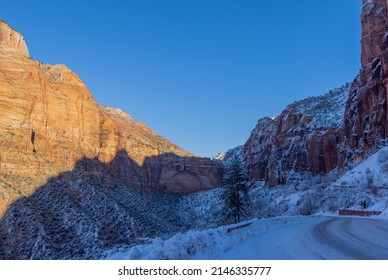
x: 50, y: 120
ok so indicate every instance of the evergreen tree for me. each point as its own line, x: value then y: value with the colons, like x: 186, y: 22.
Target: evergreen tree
x: 235, y: 194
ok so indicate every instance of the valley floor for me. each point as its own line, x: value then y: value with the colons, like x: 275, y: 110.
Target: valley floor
x: 287, y: 238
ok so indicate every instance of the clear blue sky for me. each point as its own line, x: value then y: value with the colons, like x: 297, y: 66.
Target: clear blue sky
x: 198, y: 72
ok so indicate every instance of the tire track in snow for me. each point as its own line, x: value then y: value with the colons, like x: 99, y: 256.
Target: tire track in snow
x: 354, y: 238
x: 338, y: 238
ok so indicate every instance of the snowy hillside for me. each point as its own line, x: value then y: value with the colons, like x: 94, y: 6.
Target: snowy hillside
x: 371, y: 172
x: 326, y: 111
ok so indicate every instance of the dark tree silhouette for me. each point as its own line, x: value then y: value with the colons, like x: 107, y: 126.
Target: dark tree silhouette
x: 236, y: 187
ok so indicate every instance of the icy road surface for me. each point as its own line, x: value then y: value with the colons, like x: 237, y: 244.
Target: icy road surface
x: 328, y: 238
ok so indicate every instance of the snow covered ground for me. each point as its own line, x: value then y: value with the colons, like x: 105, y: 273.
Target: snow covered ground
x: 207, y: 244
x: 371, y: 172
x: 335, y: 238
x: 289, y: 235
x: 313, y: 237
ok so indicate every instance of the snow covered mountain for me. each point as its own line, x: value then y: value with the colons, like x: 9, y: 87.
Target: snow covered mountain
x: 303, y: 138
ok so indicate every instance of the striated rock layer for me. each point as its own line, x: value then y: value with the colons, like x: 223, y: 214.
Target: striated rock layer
x: 11, y: 40
x: 366, y: 120
x: 49, y: 121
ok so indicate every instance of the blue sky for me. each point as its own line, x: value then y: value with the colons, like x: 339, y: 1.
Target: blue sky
x: 198, y: 72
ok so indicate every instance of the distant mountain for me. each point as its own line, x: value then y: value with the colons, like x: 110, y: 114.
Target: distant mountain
x: 226, y: 156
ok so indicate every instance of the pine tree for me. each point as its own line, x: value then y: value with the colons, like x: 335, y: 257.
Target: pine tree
x: 235, y: 194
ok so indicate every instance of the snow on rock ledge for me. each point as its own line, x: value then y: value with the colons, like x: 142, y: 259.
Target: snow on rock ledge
x: 304, y: 138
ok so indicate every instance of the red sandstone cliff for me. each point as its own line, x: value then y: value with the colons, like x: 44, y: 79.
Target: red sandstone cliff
x: 49, y: 121
x: 289, y: 145
x: 366, y: 115
x: 304, y: 138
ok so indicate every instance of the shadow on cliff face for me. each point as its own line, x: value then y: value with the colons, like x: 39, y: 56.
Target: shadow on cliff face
x: 98, y: 206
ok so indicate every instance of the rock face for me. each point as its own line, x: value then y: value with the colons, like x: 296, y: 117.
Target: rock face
x: 366, y: 119
x: 79, y: 214
x: 11, y: 40
x: 300, y: 140
x: 304, y: 138
x: 49, y: 121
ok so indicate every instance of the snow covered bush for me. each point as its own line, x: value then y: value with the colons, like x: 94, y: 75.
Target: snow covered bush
x: 307, y: 204
x: 348, y: 198
x: 262, y: 202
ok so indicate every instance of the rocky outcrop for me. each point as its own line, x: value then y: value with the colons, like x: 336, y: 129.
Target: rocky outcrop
x: 11, y: 40
x: 49, y: 121
x: 366, y: 116
x: 304, y: 138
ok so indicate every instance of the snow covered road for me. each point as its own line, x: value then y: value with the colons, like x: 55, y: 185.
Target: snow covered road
x: 281, y: 238
x: 327, y: 238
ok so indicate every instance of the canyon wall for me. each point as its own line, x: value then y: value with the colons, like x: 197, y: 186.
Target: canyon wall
x: 336, y: 130
x: 366, y: 120
x: 303, y: 138
x: 49, y: 121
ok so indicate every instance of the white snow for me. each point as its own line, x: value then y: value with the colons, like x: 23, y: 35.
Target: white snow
x: 326, y: 111
x: 374, y: 169
x: 219, y: 243
x: 285, y: 238
x: 368, y: 5
x: 365, y: 187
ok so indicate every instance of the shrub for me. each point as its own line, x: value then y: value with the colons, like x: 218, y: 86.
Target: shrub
x: 307, y: 204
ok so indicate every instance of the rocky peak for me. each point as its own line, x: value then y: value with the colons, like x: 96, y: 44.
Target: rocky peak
x: 12, y: 40
x: 220, y: 156
x: 119, y: 113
